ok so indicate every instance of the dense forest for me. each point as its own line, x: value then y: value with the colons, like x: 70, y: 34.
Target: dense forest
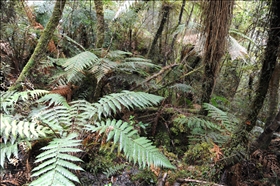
x: 165, y: 93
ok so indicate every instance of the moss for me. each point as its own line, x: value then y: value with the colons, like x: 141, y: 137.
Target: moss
x: 99, y: 161
x: 145, y: 177
x: 198, y: 154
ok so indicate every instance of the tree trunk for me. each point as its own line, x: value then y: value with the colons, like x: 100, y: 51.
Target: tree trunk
x: 264, y: 139
x: 218, y: 15
x: 179, y: 22
x: 100, y: 23
x: 268, y: 65
x: 165, y: 9
x: 42, y: 43
x: 273, y: 95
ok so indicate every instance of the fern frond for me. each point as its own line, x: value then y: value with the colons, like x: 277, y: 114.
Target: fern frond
x: 137, y: 149
x: 114, y: 102
x: 218, y: 115
x: 8, y: 99
x: 103, y: 67
x: 6, y: 151
x: 196, y: 123
x: 53, y: 100
x: 54, y: 169
x: 55, y: 117
x: 114, y: 54
x: 182, y: 87
x: 12, y: 129
x: 75, y: 65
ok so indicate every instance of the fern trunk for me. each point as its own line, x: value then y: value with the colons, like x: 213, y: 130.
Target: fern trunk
x: 41, y: 47
x: 218, y: 15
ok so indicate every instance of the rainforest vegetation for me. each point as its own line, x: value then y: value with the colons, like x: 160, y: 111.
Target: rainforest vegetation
x: 165, y: 93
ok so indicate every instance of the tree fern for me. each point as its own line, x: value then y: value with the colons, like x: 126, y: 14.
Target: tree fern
x: 57, y: 162
x: 137, y: 149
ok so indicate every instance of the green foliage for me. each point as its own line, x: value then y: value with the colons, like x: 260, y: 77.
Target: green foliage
x: 217, y: 128
x: 146, y: 176
x: 56, y: 162
x: 53, y: 100
x: 75, y: 65
x: 62, y: 119
x: 137, y: 149
x: 11, y: 129
x: 198, y: 153
x: 7, y: 150
x: 111, y: 171
x: 10, y: 99
x: 182, y: 87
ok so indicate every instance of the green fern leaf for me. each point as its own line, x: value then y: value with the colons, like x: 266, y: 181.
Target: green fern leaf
x: 137, y: 149
x: 12, y: 129
x: 75, y: 65
x: 6, y: 150
x: 127, y: 99
x: 55, y: 160
x: 53, y: 100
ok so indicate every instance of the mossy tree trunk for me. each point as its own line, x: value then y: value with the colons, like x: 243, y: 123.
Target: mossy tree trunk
x: 41, y: 47
x: 100, y: 23
x: 217, y: 16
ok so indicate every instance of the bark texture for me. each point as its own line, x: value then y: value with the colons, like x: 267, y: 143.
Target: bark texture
x: 100, y: 23
x: 217, y: 19
x: 41, y: 47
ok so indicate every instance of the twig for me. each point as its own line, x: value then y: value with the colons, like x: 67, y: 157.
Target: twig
x: 162, y: 180
x: 186, y: 180
x: 170, y: 83
x: 155, y: 75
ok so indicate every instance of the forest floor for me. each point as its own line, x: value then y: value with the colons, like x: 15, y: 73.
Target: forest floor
x: 262, y: 169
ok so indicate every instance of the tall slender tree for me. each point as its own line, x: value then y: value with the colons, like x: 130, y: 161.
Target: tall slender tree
x: 268, y: 66
x: 165, y: 13
x: 217, y: 16
x: 42, y: 43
